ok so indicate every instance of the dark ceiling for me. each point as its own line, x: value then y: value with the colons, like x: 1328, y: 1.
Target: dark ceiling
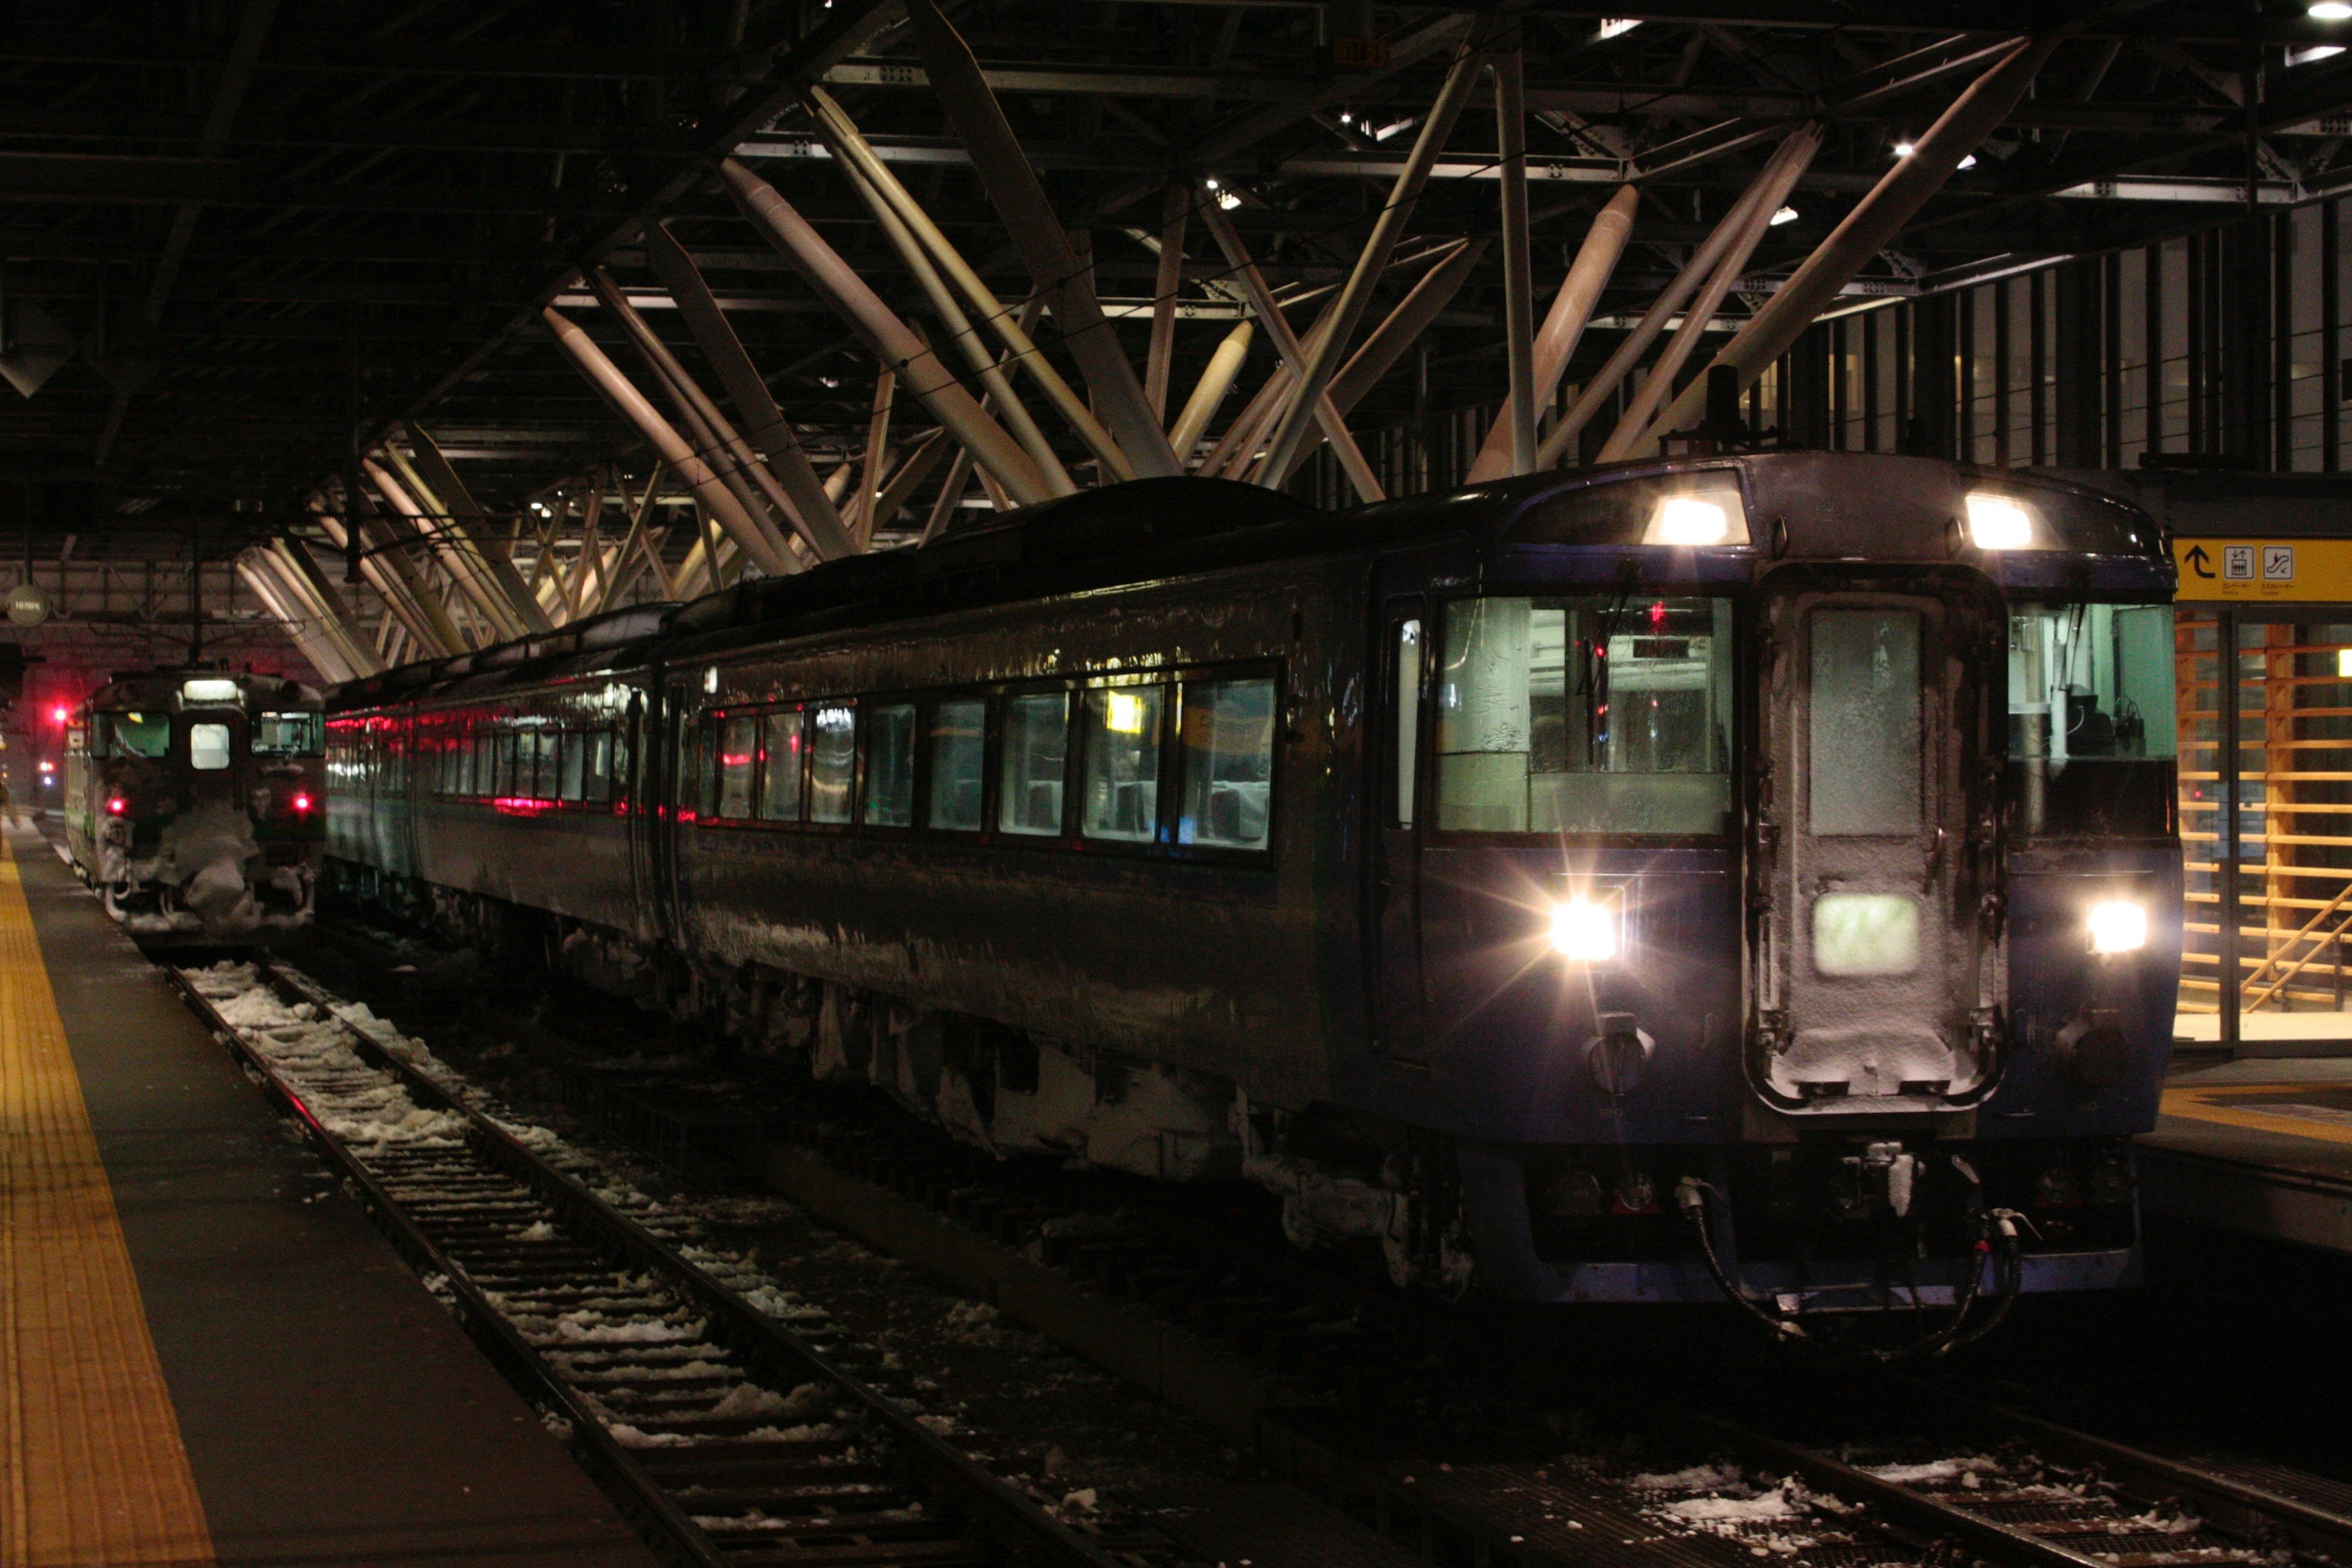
x: 240, y: 233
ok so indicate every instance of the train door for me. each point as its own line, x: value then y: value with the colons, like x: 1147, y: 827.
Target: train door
x: 219, y: 759
x: 1874, y: 983
x: 1398, y: 997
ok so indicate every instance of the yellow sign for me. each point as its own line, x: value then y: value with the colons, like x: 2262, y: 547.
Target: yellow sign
x: 2300, y: 571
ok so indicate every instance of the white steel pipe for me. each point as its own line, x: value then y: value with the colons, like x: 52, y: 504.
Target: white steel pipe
x: 426, y: 471
x: 1517, y: 421
x: 489, y: 602
x: 1209, y: 392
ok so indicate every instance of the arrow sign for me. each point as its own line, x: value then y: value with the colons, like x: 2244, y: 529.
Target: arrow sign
x: 2197, y: 561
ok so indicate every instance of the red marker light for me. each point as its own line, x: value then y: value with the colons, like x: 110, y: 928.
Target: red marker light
x: 116, y: 805
x: 60, y: 713
x: 301, y: 803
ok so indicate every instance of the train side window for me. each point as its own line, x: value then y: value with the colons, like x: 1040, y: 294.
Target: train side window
x: 738, y: 754
x: 596, y: 769
x: 575, y: 765
x: 779, y: 783
x: 1036, y: 747
x: 1408, y: 717
x: 286, y: 735
x: 208, y: 747
x: 832, y: 762
x: 890, y: 765
x: 958, y: 748
x: 503, y: 751
x: 133, y: 735
x: 1228, y: 762
x: 1122, y: 762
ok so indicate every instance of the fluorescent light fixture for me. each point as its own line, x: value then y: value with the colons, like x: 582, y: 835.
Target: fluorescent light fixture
x: 1583, y: 932
x: 2329, y: 11
x: 1903, y: 149
x: 1997, y: 523
x: 2344, y: 663
x: 1618, y: 26
x: 208, y: 691
x: 1786, y: 215
x: 1698, y: 518
x: 2118, y: 925
x: 1969, y: 161
x: 1227, y: 201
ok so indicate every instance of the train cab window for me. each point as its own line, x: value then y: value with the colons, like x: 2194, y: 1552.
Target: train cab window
x: 1228, y: 764
x: 209, y: 749
x: 739, y: 755
x: 2091, y: 720
x: 832, y: 762
x: 1602, y: 715
x: 958, y: 745
x: 1122, y: 762
x: 889, y: 765
x: 1036, y: 749
x: 575, y: 765
x: 779, y: 782
x: 133, y: 735
x: 596, y: 769
x: 286, y: 735
x: 1863, y: 775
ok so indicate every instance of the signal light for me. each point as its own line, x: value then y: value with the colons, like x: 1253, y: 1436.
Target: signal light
x: 116, y: 805
x: 302, y: 804
x: 60, y: 713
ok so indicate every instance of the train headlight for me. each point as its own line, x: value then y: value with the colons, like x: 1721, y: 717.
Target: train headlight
x: 2118, y: 925
x: 209, y: 691
x: 1698, y: 518
x: 1997, y: 523
x: 1584, y: 931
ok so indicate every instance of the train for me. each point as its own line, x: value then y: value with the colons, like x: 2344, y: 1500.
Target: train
x: 196, y: 801
x: 1754, y: 874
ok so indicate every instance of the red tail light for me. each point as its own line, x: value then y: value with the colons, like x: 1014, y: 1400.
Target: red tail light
x: 116, y: 805
x: 301, y: 804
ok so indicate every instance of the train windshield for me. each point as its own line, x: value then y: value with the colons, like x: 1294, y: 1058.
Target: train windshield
x: 131, y: 734
x: 287, y: 735
x: 2091, y: 736
x: 1609, y: 713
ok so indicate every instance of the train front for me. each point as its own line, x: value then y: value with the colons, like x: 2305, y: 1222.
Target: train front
x: 204, y: 810
x: 1816, y: 812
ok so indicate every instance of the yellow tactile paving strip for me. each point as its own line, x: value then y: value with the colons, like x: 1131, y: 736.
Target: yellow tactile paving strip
x: 90, y: 1456
x: 2213, y: 1104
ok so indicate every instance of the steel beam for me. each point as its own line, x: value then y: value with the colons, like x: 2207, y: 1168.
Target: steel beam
x: 426, y: 468
x: 1564, y: 324
x: 1209, y: 392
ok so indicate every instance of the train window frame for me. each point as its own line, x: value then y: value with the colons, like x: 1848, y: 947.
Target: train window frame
x: 1182, y: 759
x: 227, y: 742
x: 796, y: 713
x: 928, y: 764
x: 721, y: 720
x: 572, y: 773
x: 1430, y: 800
x: 1060, y: 836
x: 847, y: 822
x: 869, y: 706
x: 1156, y: 832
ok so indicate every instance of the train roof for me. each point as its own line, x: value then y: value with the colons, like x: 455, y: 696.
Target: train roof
x: 1799, y: 505
x: 166, y: 690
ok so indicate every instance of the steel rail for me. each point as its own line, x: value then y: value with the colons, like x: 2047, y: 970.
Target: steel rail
x: 984, y: 1504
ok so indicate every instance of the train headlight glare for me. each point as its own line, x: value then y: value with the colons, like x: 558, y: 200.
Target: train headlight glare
x: 1584, y: 931
x: 1706, y: 517
x: 1997, y: 523
x: 2118, y: 925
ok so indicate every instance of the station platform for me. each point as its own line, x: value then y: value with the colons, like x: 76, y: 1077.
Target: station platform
x: 2261, y: 1145
x: 206, y: 1354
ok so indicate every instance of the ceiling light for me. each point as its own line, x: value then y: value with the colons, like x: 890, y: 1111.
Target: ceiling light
x: 1347, y: 117
x: 1903, y: 149
x: 1616, y: 27
x: 1228, y: 202
x: 2316, y: 52
x: 1211, y: 182
x: 2330, y: 10
x: 1786, y: 215
x: 1969, y: 161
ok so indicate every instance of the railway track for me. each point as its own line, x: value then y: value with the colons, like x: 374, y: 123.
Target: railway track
x: 728, y: 1438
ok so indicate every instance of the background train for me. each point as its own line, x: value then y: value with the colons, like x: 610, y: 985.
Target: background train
x: 196, y: 801
x: 1752, y: 873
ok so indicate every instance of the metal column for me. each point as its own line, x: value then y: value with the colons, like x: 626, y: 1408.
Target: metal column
x: 2226, y: 852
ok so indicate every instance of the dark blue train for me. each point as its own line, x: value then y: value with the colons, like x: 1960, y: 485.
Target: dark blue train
x: 1751, y: 873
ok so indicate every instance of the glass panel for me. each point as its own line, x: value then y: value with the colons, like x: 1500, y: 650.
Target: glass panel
x: 596, y: 772
x: 832, y: 762
x: 1408, y: 718
x: 1864, y: 765
x: 890, y: 765
x: 1122, y: 788
x: 286, y: 735
x: 502, y: 764
x: 779, y: 786
x: 1229, y: 761
x: 1605, y: 714
x: 1036, y: 744
x: 208, y: 747
x: 1865, y: 934
x: 535, y: 765
x: 133, y: 735
x: 575, y: 764
x: 477, y: 764
x: 959, y: 739
x: 738, y: 746
x: 2091, y: 722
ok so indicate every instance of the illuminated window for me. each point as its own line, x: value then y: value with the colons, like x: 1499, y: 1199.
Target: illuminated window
x: 575, y: 765
x: 959, y: 734
x: 738, y: 745
x: 1036, y: 745
x: 780, y: 786
x: 208, y: 747
x: 1228, y: 752
x: 596, y: 772
x: 1122, y: 759
x: 890, y: 765
x: 832, y: 762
